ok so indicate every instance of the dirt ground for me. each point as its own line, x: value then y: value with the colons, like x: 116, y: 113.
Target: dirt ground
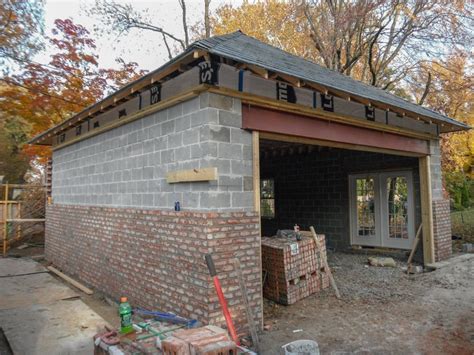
x: 382, y: 311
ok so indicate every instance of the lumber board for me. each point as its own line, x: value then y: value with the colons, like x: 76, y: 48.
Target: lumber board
x: 256, y: 169
x: 325, y: 263
x: 192, y: 175
x: 426, y: 210
x: 415, y: 245
x: 73, y: 282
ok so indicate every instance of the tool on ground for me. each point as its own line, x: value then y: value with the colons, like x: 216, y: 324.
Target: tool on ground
x: 167, y: 317
x: 416, y: 241
x: 248, y: 310
x: 230, y: 325
x: 324, y: 261
x: 125, y: 312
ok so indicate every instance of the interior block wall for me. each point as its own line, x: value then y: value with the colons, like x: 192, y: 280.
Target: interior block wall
x: 127, y: 166
x: 311, y: 189
x: 156, y: 258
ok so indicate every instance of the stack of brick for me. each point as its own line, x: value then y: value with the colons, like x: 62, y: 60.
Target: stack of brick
x: 209, y: 340
x: 292, y: 269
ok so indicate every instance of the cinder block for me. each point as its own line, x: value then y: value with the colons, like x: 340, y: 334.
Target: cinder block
x: 230, y: 119
x: 229, y: 151
x: 242, y: 199
x: 219, y: 134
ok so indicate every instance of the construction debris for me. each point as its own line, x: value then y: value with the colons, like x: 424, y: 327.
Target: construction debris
x: 468, y: 248
x: 385, y: 262
x: 307, y: 347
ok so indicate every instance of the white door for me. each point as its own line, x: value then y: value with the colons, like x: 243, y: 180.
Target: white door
x: 382, y: 209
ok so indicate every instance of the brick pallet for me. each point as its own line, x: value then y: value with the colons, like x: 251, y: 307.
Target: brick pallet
x: 291, y: 275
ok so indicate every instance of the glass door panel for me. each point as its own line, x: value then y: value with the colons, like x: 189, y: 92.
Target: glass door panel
x: 364, y: 210
x: 365, y: 197
x: 397, y: 209
x: 382, y: 209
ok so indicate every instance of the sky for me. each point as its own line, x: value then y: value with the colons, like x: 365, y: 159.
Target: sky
x: 143, y: 47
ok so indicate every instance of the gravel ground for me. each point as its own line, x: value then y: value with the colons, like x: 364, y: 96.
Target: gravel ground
x: 382, y: 311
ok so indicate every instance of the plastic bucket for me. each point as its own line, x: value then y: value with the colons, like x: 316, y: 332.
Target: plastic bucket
x: 301, y: 347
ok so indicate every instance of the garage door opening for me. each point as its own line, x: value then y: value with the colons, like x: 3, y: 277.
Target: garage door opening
x: 359, y: 203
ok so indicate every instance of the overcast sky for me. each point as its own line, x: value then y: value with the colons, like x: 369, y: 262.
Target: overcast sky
x: 145, y: 49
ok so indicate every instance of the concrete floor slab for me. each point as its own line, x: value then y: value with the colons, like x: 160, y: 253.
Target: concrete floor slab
x: 16, y: 266
x: 21, y: 291
x: 41, y: 315
x: 61, y: 327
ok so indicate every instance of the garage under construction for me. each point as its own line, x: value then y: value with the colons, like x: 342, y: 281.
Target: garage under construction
x: 235, y: 148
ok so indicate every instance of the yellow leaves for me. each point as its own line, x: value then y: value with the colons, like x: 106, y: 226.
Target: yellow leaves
x: 274, y: 22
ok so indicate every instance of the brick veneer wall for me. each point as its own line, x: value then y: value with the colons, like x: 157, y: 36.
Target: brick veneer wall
x: 156, y: 258
x: 442, y: 229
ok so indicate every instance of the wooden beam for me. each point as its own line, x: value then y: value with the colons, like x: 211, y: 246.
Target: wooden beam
x: 192, y: 175
x: 257, y: 70
x: 73, y: 282
x: 256, y: 170
x: 256, y: 201
x: 426, y: 210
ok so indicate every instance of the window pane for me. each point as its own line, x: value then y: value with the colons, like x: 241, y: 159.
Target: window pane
x: 365, y: 195
x: 267, y: 198
x: 397, y: 203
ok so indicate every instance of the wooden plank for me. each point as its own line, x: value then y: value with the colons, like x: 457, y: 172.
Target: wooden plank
x: 70, y: 280
x: 325, y: 262
x: 426, y: 210
x: 413, y: 249
x: 192, y: 175
x: 248, y: 310
x: 5, y: 225
x: 256, y: 169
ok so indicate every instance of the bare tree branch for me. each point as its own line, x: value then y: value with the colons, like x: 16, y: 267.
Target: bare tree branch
x: 426, y: 91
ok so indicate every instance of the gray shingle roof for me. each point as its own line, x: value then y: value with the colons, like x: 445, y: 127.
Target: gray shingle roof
x: 242, y: 48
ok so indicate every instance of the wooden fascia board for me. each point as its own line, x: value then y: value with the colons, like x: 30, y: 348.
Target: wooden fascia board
x: 317, y: 113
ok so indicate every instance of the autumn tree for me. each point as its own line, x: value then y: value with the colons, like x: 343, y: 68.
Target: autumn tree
x: 376, y: 41
x: 21, y: 30
x: 42, y: 95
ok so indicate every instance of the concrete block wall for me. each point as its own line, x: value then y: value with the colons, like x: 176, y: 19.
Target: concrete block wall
x: 127, y: 166
x: 312, y: 189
